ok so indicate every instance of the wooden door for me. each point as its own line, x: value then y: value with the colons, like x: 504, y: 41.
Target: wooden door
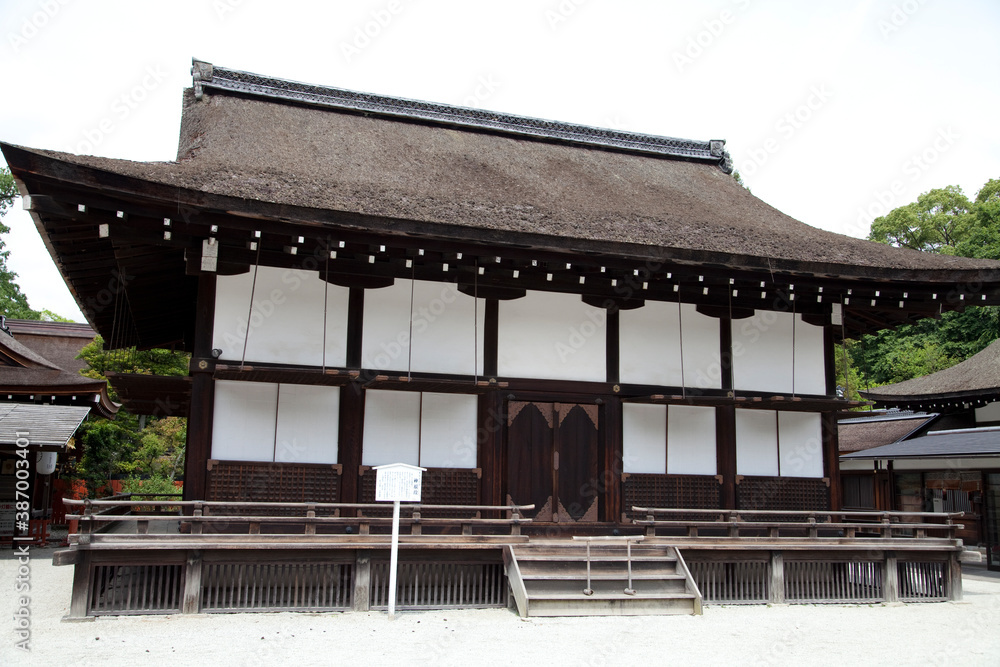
x: 552, y: 459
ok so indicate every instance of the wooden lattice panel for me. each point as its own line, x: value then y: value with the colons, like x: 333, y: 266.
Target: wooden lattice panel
x: 246, y: 481
x: 686, y: 491
x: 782, y: 493
x: 439, y: 486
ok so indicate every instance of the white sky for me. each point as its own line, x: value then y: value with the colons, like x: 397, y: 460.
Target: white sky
x: 831, y: 110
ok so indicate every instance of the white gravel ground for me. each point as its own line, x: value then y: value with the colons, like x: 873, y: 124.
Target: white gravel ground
x: 961, y: 633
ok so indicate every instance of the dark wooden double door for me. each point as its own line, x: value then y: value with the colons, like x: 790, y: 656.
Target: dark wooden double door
x: 552, y: 460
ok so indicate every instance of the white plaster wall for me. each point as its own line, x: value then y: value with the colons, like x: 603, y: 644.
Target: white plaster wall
x: 644, y: 438
x: 988, y: 413
x: 756, y: 443
x: 848, y: 465
x: 552, y: 336
x: 691, y: 440
x: 243, y: 423
x: 286, y: 322
x: 308, y: 424
x: 800, y: 444
x: 446, y: 337
x: 763, y: 350
x: 448, y: 430
x: 650, y: 346
x: 392, y: 427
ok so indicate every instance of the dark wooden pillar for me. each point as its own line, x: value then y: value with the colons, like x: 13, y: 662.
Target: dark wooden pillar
x: 352, y: 425
x: 611, y: 461
x: 725, y: 453
x: 199, y: 430
x: 489, y: 438
x: 355, y: 326
x: 726, y: 352
x: 612, y: 350
x: 831, y: 458
x: 830, y: 357
x: 491, y: 337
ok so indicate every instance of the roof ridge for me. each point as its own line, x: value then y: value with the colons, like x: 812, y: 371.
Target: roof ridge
x: 206, y: 75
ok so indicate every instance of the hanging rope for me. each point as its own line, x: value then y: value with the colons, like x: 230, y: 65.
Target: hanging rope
x: 253, y: 289
x: 475, y: 325
x: 409, y: 346
x: 843, y: 342
x: 326, y: 289
x: 791, y: 297
x: 680, y: 336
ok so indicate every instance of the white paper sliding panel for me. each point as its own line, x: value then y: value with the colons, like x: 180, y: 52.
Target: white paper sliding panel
x: 392, y: 427
x: 243, y: 422
x: 308, y: 424
x: 285, y: 324
x: 800, y: 442
x: 762, y: 352
x: 644, y: 438
x: 385, y: 340
x: 757, y: 443
x: 649, y: 345
x: 691, y: 440
x: 446, y: 335
x: 448, y: 430
x: 552, y: 336
x: 810, y: 358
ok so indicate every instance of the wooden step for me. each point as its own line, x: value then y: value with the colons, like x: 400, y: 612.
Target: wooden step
x: 594, y: 576
x: 609, y: 606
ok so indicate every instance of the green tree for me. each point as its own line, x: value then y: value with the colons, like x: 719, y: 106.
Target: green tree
x: 13, y: 302
x: 939, y: 221
x: 983, y: 241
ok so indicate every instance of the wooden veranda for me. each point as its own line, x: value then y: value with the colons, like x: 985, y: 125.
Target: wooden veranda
x: 135, y: 556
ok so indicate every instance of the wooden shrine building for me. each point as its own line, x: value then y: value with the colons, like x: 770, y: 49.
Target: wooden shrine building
x: 538, y: 313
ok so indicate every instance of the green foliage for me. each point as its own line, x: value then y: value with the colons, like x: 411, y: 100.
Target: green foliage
x: 13, y: 302
x: 151, y: 486
x: 107, y: 446
x: 8, y: 190
x: 939, y: 221
x: 945, y: 221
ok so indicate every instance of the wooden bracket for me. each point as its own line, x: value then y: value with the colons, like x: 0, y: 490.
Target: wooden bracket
x: 739, y: 478
x: 212, y: 463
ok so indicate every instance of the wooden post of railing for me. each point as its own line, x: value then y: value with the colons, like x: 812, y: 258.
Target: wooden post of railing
x: 191, y: 600
x: 954, y: 577
x: 196, y: 525
x: 362, y: 581
x: 415, y: 527
x: 310, y: 514
x: 777, y: 593
x: 86, y: 524
x: 81, y: 586
x: 890, y: 584
x: 515, y: 526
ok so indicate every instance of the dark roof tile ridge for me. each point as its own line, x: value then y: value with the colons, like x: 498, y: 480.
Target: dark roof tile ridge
x: 206, y: 75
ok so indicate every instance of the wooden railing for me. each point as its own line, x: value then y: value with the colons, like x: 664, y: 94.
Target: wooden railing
x: 226, y: 520
x: 786, y: 524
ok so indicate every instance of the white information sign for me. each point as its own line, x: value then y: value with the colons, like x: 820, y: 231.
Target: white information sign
x: 398, y: 481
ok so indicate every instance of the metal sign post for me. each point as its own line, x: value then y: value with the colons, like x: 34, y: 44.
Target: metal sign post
x: 396, y: 482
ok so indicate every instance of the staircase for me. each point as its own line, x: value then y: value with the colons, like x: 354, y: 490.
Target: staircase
x: 626, y: 578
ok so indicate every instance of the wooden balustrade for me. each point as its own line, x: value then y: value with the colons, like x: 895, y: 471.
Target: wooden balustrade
x: 828, y: 526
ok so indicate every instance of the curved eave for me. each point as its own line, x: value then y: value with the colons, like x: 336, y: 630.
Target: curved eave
x: 135, y: 279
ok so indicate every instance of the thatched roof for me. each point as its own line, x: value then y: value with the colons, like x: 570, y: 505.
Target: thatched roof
x: 855, y: 435
x: 977, y: 379
x: 277, y: 141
